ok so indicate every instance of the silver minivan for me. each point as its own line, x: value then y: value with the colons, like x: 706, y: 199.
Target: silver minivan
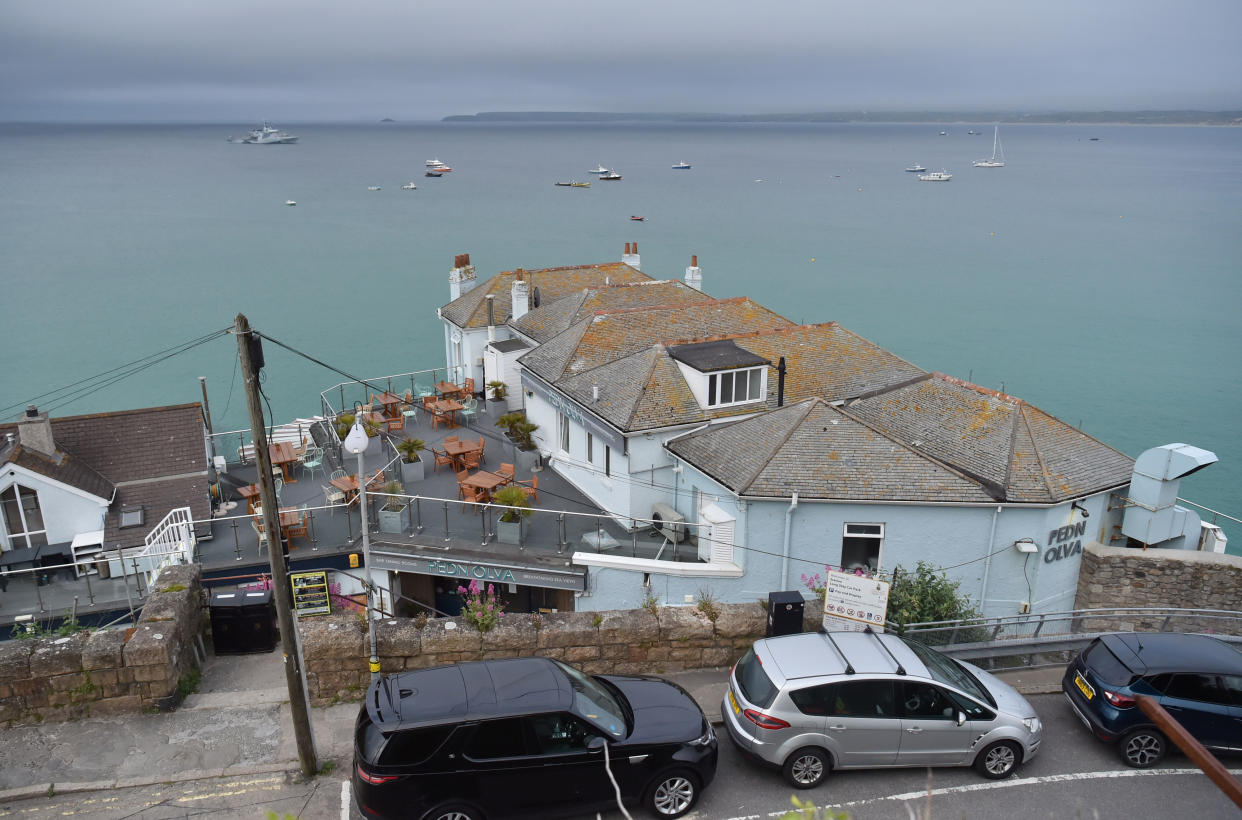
x: 820, y: 701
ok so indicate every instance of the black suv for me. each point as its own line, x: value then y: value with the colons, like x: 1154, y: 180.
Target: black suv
x: 1196, y: 678
x: 527, y: 737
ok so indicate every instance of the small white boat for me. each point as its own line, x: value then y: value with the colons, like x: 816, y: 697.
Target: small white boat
x: 290, y: 202
x: 600, y: 170
x: 373, y: 187
x: 916, y: 168
x: 936, y: 176
x: 267, y: 135
x: 997, y: 160
x: 434, y: 163
x: 409, y: 186
x: 682, y: 166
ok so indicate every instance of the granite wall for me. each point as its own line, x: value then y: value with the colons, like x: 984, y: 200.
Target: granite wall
x: 1167, y: 579
x: 109, y: 671
x: 621, y: 642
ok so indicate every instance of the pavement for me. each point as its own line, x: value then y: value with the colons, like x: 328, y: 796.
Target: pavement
x: 239, y: 723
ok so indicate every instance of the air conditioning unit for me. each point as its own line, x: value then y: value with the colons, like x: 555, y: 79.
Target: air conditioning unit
x: 670, y: 523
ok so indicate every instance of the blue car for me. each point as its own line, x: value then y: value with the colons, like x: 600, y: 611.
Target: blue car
x: 1196, y: 678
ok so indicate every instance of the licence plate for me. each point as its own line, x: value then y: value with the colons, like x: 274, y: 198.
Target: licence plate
x: 1083, y: 686
x: 737, y: 710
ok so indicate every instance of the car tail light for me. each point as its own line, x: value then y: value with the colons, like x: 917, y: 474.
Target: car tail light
x: 1118, y: 700
x: 374, y: 779
x: 764, y: 721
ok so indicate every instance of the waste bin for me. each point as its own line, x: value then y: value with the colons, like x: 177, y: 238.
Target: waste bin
x: 784, y: 613
x: 242, y: 621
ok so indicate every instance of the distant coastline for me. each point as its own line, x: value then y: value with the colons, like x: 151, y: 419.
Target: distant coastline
x: 944, y: 117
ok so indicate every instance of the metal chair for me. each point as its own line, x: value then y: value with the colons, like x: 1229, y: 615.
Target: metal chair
x: 470, y: 409
x: 312, y: 460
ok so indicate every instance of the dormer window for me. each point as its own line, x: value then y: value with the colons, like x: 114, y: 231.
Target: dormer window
x: 734, y: 386
x: 722, y: 374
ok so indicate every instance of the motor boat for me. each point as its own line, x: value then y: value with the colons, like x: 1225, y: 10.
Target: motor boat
x: 267, y: 135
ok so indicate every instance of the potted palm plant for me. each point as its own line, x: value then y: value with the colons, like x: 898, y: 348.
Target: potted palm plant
x: 412, y: 467
x: 394, y: 513
x: 509, y: 527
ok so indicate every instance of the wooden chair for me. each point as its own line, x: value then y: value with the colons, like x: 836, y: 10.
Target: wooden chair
x: 442, y: 459
x: 531, y: 488
x: 506, y: 471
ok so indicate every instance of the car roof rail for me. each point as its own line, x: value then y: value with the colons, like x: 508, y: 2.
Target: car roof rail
x: 849, y: 667
x: 901, y: 670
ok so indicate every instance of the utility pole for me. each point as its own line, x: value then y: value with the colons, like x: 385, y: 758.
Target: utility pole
x: 275, y: 550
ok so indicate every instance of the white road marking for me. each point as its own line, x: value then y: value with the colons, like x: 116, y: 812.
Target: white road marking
x: 998, y: 784
x: 344, y: 800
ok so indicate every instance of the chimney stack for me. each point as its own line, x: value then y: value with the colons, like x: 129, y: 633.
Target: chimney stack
x: 520, y: 295
x: 630, y: 257
x: 462, y: 278
x: 694, y: 274
x: 34, y: 431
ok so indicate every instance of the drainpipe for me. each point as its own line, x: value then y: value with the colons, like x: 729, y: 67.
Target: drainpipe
x: 987, y: 559
x: 793, y: 505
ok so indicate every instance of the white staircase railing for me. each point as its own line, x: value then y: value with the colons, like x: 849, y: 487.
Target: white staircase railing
x: 171, y: 541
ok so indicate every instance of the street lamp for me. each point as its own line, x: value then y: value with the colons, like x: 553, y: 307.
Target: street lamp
x: 356, y: 442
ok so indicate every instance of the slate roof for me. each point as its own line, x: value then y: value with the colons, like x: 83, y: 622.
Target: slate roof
x: 609, y: 336
x: 556, y: 317
x: 154, y: 458
x: 470, y: 309
x: 820, y: 453
x: 1019, y: 452
x: 646, y: 390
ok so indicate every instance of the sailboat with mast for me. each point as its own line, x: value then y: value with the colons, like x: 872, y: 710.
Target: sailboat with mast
x: 998, y: 153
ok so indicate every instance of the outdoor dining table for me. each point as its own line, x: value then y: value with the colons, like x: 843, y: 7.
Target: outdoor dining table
x: 448, y: 389
x: 389, y: 401
x: 282, y: 455
x: 448, y: 407
x: 251, y: 495
x: 348, y: 485
x: 457, y: 449
x: 483, y: 480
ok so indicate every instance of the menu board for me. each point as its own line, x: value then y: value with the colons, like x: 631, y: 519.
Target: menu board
x: 310, y: 593
x: 854, y: 602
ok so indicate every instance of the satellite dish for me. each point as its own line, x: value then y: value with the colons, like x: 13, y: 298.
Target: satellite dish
x: 455, y: 336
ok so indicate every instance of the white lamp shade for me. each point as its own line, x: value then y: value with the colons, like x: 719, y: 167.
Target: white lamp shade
x: 356, y: 441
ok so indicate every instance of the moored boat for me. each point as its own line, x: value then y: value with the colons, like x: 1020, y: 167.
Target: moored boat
x: 267, y: 135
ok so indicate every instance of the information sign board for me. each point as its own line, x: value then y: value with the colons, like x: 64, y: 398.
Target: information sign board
x: 310, y: 593
x: 854, y: 602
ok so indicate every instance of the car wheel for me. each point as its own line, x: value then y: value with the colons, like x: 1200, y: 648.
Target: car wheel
x: 672, y: 793
x: 807, y: 767
x: 1143, y: 748
x: 998, y: 760
x: 453, y: 811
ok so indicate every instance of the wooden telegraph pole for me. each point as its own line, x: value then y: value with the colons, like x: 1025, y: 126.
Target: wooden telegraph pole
x: 248, y: 345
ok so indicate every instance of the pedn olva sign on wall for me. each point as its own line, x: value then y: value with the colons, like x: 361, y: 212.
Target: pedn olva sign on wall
x: 1065, y: 541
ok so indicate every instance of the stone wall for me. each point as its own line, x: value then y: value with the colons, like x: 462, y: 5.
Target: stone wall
x: 108, y: 671
x: 1169, y: 579
x: 621, y: 642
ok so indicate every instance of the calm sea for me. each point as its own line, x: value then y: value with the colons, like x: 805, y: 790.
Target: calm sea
x: 1098, y: 280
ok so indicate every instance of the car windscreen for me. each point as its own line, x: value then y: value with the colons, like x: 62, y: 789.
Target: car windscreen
x: 595, y: 703
x: 755, y: 684
x: 947, y: 670
x: 1106, y: 666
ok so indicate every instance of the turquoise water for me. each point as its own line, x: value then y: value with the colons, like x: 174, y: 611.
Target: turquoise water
x: 1096, y: 280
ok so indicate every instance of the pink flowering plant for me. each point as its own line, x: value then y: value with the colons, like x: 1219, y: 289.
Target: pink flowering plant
x: 482, y: 609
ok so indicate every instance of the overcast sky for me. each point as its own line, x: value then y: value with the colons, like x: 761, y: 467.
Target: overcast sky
x: 318, y: 60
